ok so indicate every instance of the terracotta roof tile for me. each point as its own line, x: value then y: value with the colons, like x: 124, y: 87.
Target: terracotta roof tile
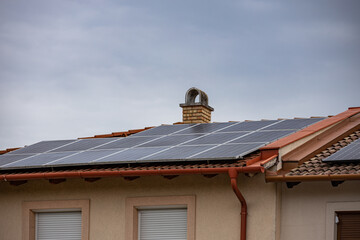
x: 315, y: 166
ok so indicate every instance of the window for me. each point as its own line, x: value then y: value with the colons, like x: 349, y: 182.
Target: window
x: 335, y: 214
x: 56, y: 220
x: 348, y: 225
x: 168, y: 223
x: 64, y: 225
x: 170, y: 217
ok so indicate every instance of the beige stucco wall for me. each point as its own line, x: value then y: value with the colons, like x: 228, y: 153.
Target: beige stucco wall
x: 307, y: 207
x: 217, y: 208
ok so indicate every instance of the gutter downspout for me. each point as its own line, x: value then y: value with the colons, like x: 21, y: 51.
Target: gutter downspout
x: 233, y: 174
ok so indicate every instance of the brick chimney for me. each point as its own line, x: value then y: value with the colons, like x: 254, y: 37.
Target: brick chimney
x: 196, y: 112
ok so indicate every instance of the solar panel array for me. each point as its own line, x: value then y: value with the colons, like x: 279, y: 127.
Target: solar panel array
x: 184, y: 142
x: 350, y: 153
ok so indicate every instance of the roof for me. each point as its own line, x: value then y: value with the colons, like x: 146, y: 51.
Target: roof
x: 316, y: 169
x: 257, y: 161
x: 108, y: 135
x: 208, y: 169
x: 118, y: 134
x: 315, y: 166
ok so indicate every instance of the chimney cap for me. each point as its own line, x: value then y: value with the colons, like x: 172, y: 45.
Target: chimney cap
x: 191, y: 95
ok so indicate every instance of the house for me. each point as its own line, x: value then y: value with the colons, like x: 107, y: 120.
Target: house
x: 193, y: 180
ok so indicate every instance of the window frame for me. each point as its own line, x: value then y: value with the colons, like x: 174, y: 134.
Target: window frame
x: 134, y: 204
x: 331, y: 209
x: 30, y: 208
x: 340, y: 223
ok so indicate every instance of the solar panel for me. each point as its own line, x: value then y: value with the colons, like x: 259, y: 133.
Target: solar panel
x: 9, y: 158
x: 206, y: 128
x: 130, y: 155
x: 127, y: 142
x: 164, y: 130
x: 171, y: 140
x: 215, y: 138
x: 262, y: 136
x: 82, y: 157
x: 183, y: 142
x: 249, y: 126
x: 84, y: 144
x: 350, y: 153
x: 293, y: 124
x: 43, y: 146
x: 228, y: 151
x: 179, y: 152
x: 38, y: 160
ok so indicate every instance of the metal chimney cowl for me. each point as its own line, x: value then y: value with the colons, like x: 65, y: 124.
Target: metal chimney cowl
x: 196, y: 112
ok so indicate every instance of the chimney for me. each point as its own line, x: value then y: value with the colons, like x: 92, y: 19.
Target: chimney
x: 196, y: 112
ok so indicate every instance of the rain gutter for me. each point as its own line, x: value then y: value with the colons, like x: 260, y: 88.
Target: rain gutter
x: 337, y: 177
x: 126, y: 173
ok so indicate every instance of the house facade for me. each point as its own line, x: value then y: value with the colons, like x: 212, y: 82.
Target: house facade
x: 279, y: 190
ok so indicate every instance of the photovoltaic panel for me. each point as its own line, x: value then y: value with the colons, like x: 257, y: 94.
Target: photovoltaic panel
x: 84, y: 144
x: 130, y: 155
x: 9, y: 158
x: 293, y: 124
x: 262, y: 136
x: 184, y: 142
x: 41, y: 147
x: 38, y: 160
x: 350, y: 153
x: 180, y: 152
x: 127, y: 142
x: 215, y: 138
x: 171, y: 140
x: 228, y: 151
x: 206, y: 128
x: 164, y: 130
x: 249, y: 126
x: 83, y: 157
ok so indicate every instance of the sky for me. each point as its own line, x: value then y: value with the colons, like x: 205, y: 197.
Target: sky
x: 72, y: 68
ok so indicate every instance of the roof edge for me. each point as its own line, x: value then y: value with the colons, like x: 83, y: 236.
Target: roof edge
x: 127, y: 173
x: 312, y: 129
x: 309, y: 178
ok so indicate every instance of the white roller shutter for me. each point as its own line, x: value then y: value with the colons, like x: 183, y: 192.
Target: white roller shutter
x: 163, y: 224
x: 58, y: 225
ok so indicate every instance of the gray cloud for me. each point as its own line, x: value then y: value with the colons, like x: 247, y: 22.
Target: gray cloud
x: 72, y: 68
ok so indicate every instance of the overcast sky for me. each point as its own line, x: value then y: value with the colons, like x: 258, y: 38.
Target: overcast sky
x: 72, y: 69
